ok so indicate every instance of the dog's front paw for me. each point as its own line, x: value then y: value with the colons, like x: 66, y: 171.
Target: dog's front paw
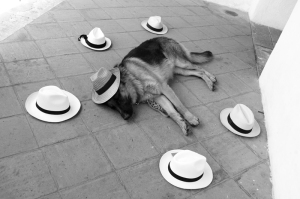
x: 186, y: 128
x: 193, y: 120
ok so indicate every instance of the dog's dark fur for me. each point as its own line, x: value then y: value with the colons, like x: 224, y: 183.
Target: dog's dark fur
x: 146, y: 71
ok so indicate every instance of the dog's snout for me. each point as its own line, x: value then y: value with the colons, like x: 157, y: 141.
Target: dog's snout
x: 126, y: 116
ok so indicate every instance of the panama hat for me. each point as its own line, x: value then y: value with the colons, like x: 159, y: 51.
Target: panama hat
x: 155, y: 25
x: 105, y: 84
x: 240, y: 120
x: 95, y: 40
x: 185, y: 169
x: 51, y: 104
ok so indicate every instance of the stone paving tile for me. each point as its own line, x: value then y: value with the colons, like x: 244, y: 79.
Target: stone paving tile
x: 68, y: 65
x: 9, y: 105
x: 246, y: 40
x: 175, y: 22
x: 50, y: 133
x: 81, y: 86
x: 76, y: 28
x: 108, y: 26
x: 217, y: 107
x: 126, y: 145
x: 186, y: 96
x: 106, y: 59
x: 245, y: 28
x: 55, y: 47
x: 123, y: 52
x: 275, y: 34
x: 218, y: 173
x: 79, y: 46
x: 65, y: 5
x: 232, y: 85
x: 186, y: 2
x: 130, y: 24
x: 4, y: 80
x: 29, y: 71
x: 78, y: 4
x: 94, y: 14
x: 47, y: 17
x: 108, y: 3
x: 230, y: 30
x: 99, y: 117
x: 24, y: 90
x: 259, y: 144
x: 247, y: 57
x: 175, y: 34
x: 212, y: 46
x: 139, y: 12
x: 122, y: 40
x: 256, y: 182
x: 19, y: 35
x: 145, y: 181
x: 169, y: 3
x: 231, y: 45
x: 233, y: 155
x: 45, y: 31
x: 210, y: 124
x: 51, y: 196
x: 181, y: 11
x: 104, y: 187
x: 164, y: 132
x: 76, y: 161
x: 142, y: 36
x: 263, y: 40
x: 25, y: 176
x: 200, y: 10
x: 143, y: 112
x: 161, y: 11
x: 118, y: 13
x: 16, y: 136
x: 19, y: 51
x: 225, y: 63
x: 202, y: 92
x: 212, y: 32
x: 228, y: 190
x: 253, y: 101
x: 67, y: 15
x: 249, y: 76
x: 193, y: 33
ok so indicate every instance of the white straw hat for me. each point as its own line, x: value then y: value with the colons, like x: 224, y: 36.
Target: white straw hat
x: 105, y: 84
x: 240, y: 120
x: 185, y: 169
x: 155, y: 25
x: 51, y: 104
x: 95, y: 40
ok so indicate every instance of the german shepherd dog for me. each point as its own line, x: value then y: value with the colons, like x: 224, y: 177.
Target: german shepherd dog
x: 144, y: 75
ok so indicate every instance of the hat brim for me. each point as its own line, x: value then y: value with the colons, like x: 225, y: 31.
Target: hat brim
x: 203, y: 182
x: 108, y: 44
x: 164, y: 31
x: 31, y: 108
x: 223, y: 117
x: 100, y: 99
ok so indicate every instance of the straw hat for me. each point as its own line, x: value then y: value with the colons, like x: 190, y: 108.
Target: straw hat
x: 185, y: 169
x: 155, y: 25
x: 95, y: 40
x: 105, y: 84
x: 51, y: 104
x: 240, y: 120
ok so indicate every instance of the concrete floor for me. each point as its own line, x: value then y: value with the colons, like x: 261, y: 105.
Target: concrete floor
x: 99, y: 155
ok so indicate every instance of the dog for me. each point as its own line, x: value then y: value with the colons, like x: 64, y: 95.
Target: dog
x: 146, y: 71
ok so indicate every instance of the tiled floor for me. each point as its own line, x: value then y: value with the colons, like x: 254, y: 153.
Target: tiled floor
x: 97, y: 154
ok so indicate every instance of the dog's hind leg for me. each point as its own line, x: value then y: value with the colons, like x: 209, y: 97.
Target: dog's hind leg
x: 169, y: 93
x: 209, y: 79
x: 169, y: 108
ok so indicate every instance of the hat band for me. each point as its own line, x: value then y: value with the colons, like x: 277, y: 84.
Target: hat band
x: 235, y: 127
x: 183, y: 178
x: 90, y: 44
x: 107, y: 85
x: 154, y: 29
x: 52, y: 112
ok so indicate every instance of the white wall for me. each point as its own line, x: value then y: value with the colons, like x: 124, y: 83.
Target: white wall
x: 272, y: 13
x: 280, y: 88
x: 243, y: 5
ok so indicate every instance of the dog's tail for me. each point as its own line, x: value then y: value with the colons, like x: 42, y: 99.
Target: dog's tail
x: 202, y: 57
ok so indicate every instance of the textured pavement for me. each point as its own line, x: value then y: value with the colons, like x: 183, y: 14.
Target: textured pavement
x: 97, y: 154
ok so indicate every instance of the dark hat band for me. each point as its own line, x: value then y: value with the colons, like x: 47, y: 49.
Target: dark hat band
x: 107, y: 85
x: 90, y: 44
x: 154, y: 29
x: 52, y: 112
x: 183, y: 178
x: 235, y: 127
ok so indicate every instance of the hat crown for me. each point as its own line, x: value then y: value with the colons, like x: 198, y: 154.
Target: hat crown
x: 242, y: 116
x: 52, y: 98
x: 188, y: 164
x: 100, y: 78
x: 155, y: 22
x: 96, y: 36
